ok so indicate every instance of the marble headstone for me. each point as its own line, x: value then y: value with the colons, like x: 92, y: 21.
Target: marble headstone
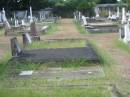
x: 123, y: 16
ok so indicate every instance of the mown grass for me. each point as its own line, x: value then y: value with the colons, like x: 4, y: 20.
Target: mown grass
x: 57, y: 44
x: 107, y: 63
x: 81, y: 29
x: 123, y: 46
x: 53, y: 28
x: 1, y: 32
x: 56, y: 92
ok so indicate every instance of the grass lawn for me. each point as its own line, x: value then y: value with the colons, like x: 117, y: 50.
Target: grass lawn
x: 56, y: 92
x: 1, y: 32
x: 57, y: 44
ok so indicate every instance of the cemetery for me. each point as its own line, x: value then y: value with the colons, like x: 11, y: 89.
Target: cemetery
x: 65, y: 48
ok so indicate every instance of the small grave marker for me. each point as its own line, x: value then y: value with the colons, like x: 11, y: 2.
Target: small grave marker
x: 26, y: 73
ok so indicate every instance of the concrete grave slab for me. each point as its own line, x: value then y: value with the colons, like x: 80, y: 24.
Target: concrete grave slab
x: 62, y: 74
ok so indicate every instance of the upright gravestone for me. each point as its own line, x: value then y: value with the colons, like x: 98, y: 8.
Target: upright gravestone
x: 79, y: 17
x: 31, y: 17
x: 123, y: 16
x: 97, y: 12
x: 118, y: 12
x: 109, y: 14
x: 6, y: 24
x: 84, y: 20
x: 125, y: 33
x: 26, y: 39
x: 0, y: 17
x: 15, y: 47
x: 34, y: 32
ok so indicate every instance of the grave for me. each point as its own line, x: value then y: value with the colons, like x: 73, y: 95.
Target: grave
x: 60, y: 73
x: 26, y: 39
x: 34, y: 32
x: 102, y: 27
x: 123, y: 16
x: 125, y: 33
x: 42, y: 55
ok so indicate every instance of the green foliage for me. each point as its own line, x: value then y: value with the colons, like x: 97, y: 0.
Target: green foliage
x: 103, y: 13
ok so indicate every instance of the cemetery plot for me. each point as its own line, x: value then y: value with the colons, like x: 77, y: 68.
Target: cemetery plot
x: 40, y: 55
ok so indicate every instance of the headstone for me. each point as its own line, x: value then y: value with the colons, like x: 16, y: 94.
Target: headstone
x: 26, y: 39
x: 97, y: 12
x: 125, y: 33
x: 34, y: 32
x: 0, y: 17
x: 31, y: 17
x: 109, y: 16
x: 84, y: 21
x: 118, y: 12
x: 23, y: 23
x: 7, y: 27
x: 123, y: 16
x: 15, y: 47
x: 6, y: 24
x: 79, y: 17
x: 3, y: 15
x: 34, y: 29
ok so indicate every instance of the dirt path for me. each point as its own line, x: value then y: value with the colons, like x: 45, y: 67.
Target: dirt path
x: 66, y: 30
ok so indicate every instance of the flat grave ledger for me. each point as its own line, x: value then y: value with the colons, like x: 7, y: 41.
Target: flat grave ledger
x: 41, y: 55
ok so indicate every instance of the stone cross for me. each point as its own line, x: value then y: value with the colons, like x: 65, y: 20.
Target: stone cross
x: 123, y: 16
x: 15, y: 47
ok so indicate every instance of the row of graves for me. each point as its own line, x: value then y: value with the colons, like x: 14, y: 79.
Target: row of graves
x: 22, y: 21
x: 29, y: 30
x: 117, y: 21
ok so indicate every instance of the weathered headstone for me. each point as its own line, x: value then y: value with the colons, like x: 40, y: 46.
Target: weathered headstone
x: 84, y: 21
x: 7, y: 27
x: 118, y: 12
x: 123, y: 16
x: 109, y: 16
x: 26, y: 39
x: 125, y: 33
x: 31, y: 17
x: 0, y: 17
x: 97, y: 12
x: 34, y: 32
x: 15, y: 47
